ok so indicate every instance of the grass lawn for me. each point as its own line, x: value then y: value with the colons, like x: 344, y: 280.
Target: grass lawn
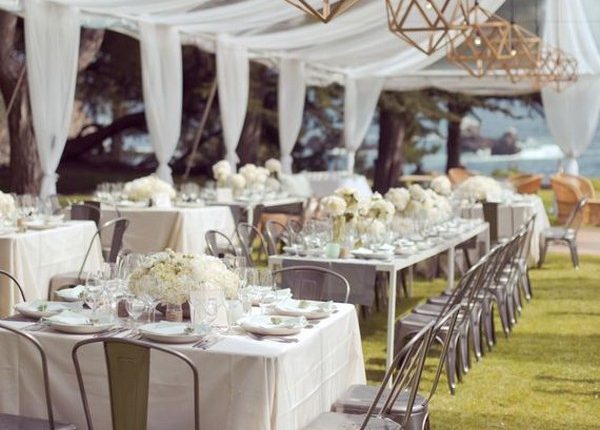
x: 545, y: 376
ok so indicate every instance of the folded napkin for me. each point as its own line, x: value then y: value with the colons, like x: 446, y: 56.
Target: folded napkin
x: 71, y: 293
x: 69, y: 317
x: 166, y: 328
x: 286, y: 322
x: 45, y: 306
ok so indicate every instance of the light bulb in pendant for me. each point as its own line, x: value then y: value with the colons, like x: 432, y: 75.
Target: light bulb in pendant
x: 477, y: 41
x: 428, y: 5
x: 513, y: 52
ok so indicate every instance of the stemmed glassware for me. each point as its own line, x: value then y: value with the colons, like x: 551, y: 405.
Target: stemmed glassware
x: 135, y: 308
x: 92, y: 293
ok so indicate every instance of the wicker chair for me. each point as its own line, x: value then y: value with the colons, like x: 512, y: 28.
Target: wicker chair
x: 458, y: 175
x: 569, y: 190
x: 526, y: 183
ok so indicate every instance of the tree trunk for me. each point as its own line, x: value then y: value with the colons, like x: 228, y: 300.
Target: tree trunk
x: 250, y: 139
x: 388, y: 166
x: 25, y: 170
x: 453, y: 146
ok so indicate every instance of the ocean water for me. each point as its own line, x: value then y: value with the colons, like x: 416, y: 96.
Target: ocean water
x: 539, y: 153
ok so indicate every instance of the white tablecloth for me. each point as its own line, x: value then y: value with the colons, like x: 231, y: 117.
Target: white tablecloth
x: 34, y: 257
x: 324, y: 184
x: 244, y: 384
x: 512, y: 215
x: 181, y: 229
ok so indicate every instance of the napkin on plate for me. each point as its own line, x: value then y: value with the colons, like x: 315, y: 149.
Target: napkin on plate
x: 71, y: 293
x: 70, y: 318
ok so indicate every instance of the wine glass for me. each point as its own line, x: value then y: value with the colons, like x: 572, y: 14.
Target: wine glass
x: 266, y: 290
x: 135, y: 308
x: 92, y: 293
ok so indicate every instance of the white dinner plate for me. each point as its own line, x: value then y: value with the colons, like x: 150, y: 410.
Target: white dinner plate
x: 174, y: 332
x: 305, y: 308
x: 367, y: 254
x: 42, y: 308
x: 277, y: 325
x: 82, y: 322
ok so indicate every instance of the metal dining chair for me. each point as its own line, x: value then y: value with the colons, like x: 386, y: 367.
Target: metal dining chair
x: 13, y: 280
x: 9, y: 421
x: 70, y: 279
x: 88, y: 211
x: 128, y: 366
x: 314, y: 283
x: 566, y: 234
x: 357, y: 398
x: 247, y: 234
x: 219, y: 244
x: 405, y: 375
x: 277, y: 234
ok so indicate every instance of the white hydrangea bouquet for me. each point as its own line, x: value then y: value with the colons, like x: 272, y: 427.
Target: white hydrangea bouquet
x: 335, y: 207
x: 170, y: 277
x: 7, y: 205
x: 145, y: 188
x: 221, y: 173
x: 442, y: 185
x: 478, y: 189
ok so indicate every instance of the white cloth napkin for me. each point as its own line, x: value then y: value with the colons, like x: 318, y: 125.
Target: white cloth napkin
x: 71, y: 293
x: 70, y: 318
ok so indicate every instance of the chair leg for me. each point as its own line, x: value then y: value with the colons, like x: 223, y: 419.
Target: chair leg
x: 543, y: 251
x: 574, y: 255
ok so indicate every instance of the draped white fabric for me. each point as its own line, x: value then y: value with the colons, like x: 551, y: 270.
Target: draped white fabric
x: 360, y: 102
x: 233, y: 80
x: 573, y: 114
x: 290, y: 99
x: 52, y: 44
x: 162, y: 79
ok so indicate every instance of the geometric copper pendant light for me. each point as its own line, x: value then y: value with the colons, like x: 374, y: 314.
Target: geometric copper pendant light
x: 482, y: 42
x: 328, y: 9
x: 557, y: 69
x: 424, y: 24
x: 526, y: 50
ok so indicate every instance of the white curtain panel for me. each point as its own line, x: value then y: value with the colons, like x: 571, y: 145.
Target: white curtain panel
x: 573, y: 114
x: 290, y: 98
x: 233, y: 80
x: 360, y: 102
x: 162, y: 79
x: 52, y: 48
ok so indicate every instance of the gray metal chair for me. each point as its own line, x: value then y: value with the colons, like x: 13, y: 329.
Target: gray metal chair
x: 219, y: 244
x: 357, y: 398
x: 17, y: 422
x: 15, y: 282
x: 314, y: 283
x: 405, y: 375
x: 277, y: 234
x: 128, y: 366
x: 247, y: 235
x: 70, y: 279
x: 566, y: 234
x: 88, y: 211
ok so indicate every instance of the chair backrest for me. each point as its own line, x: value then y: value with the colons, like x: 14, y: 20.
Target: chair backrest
x: 405, y: 372
x: 119, y: 226
x: 276, y: 233
x: 128, y: 366
x: 444, y: 329
x: 15, y: 282
x: 247, y: 234
x: 314, y: 283
x: 219, y: 244
x: 576, y: 217
x: 44, y: 362
x: 86, y: 211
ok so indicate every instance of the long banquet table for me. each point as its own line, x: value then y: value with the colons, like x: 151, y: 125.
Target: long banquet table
x: 153, y: 229
x: 394, y: 265
x: 244, y: 383
x: 34, y: 256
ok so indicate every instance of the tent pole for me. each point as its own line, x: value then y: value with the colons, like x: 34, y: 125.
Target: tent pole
x: 198, y: 136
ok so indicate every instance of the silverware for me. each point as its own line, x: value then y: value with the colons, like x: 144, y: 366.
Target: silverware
x: 111, y: 332
x: 37, y: 326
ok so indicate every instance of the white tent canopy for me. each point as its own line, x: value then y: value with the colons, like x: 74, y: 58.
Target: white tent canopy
x: 355, y: 50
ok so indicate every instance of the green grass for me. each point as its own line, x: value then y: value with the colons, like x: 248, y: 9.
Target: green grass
x: 545, y: 376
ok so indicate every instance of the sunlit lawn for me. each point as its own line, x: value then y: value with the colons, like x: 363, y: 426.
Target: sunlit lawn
x: 545, y: 376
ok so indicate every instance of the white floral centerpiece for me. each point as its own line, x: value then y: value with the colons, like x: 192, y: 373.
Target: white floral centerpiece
x: 147, y: 187
x: 399, y: 197
x: 7, y: 205
x: 221, y: 173
x: 170, y: 276
x: 478, y: 189
x: 442, y: 185
x: 238, y: 183
x: 273, y: 165
x: 335, y: 207
x: 255, y: 176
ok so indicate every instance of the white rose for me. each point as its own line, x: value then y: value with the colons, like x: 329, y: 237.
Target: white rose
x: 399, y: 197
x: 221, y: 171
x: 417, y: 193
x: 238, y: 182
x: 441, y: 185
x: 273, y: 166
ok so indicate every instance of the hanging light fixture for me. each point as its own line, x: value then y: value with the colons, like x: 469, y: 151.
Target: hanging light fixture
x: 424, y: 24
x: 525, y: 50
x: 482, y: 41
x: 326, y: 11
x: 558, y: 69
